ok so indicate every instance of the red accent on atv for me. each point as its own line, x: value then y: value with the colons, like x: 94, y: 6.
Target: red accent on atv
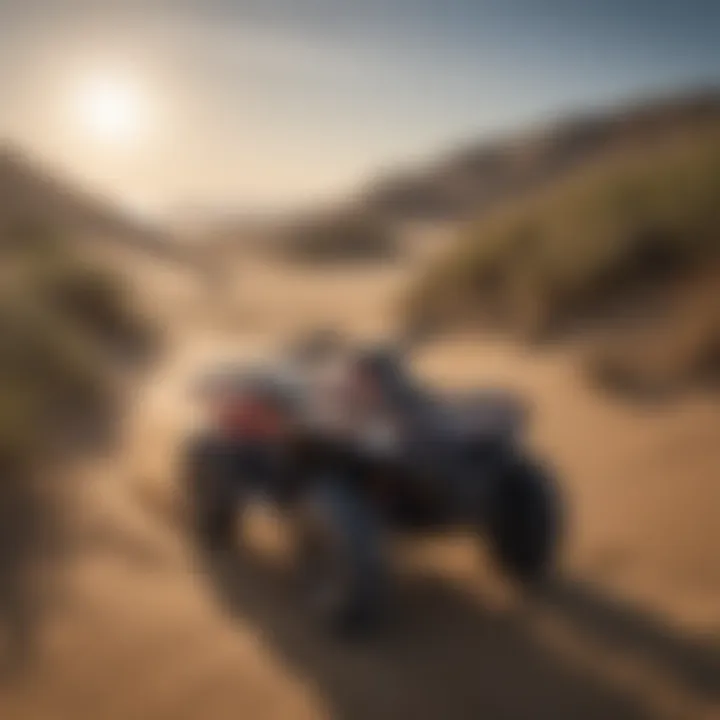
x: 249, y: 419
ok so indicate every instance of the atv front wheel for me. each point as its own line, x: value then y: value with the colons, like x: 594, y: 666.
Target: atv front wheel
x: 340, y: 556
x: 525, y: 522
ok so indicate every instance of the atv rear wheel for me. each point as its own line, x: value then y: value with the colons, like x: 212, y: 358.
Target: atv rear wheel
x: 211, y: 468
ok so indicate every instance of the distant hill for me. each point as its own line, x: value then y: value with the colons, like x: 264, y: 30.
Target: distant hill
x: 468, y: 183
x: 31, y: 195
x: 478, y: 177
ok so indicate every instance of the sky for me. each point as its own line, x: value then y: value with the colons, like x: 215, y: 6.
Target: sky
x: 176, y: 104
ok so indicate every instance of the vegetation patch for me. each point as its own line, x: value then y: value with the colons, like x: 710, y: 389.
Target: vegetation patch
x: 592, y: 251
x: 610, y: 230
x: 64, y: 325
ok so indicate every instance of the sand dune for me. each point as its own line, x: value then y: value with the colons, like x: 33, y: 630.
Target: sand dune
x: 631, y: 629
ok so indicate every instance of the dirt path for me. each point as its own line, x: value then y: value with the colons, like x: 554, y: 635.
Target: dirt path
x: 630, y: 630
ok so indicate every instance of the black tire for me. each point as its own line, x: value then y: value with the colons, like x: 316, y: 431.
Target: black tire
x: 212, y: 498
x: 339, y: 543
x: 525, y: 522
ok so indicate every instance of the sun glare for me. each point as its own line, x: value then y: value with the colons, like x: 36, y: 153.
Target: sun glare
x: 111, y: 109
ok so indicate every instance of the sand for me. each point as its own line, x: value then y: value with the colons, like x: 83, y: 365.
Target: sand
x: 629, y: 629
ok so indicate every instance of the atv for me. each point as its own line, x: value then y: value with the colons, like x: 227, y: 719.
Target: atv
x: 352, y: 449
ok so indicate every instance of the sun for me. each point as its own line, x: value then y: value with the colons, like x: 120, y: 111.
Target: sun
x: 112, y: 109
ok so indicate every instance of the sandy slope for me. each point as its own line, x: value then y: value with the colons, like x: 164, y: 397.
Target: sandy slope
x: 631, y: 630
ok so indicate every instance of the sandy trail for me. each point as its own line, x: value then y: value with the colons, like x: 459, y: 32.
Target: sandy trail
x: 631, y: 630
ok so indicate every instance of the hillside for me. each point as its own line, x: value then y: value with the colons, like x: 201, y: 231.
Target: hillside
x: 478, y: 177
x: 629, y: 242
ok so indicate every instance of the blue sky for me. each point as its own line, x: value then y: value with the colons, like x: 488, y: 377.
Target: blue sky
x: 268, y: 102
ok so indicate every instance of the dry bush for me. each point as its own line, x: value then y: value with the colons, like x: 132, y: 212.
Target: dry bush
x: 340, y: 237
x: 591, y: 242
x: 96, y: 301
x: 681, y: 348
x: 61, y: 323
